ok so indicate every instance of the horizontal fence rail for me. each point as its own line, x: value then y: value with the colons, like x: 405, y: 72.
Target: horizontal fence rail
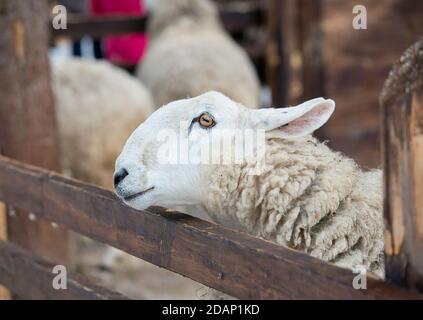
x: 238, y: 20
x: 79, y: 26
x: 29, y: 277
x: 235, y: 263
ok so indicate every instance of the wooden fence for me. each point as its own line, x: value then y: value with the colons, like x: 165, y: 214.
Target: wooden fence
x: 350, y: 66
x: 235, y: 263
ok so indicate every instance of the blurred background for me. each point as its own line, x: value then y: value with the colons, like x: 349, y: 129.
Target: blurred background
x: 300, y: 49
x: 291, y: 50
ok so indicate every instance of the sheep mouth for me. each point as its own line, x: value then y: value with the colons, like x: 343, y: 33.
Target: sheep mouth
x: 138, y: 194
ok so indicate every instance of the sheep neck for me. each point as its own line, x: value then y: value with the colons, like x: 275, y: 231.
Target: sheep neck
x: 269, y: 205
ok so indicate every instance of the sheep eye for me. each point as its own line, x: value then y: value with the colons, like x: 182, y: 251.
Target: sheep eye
x: 206, y: 120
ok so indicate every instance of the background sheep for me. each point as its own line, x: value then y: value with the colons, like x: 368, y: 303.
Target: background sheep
x: 97, y: 107
x: 307, y: 196
x: 190, y: 53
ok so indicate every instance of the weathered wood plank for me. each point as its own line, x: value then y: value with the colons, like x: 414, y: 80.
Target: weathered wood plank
x: 402, y: 135
x: 27, y: 119
x: 80, y: 26
x: 30, y: 277
x: 233, y: 262
x: 4, y: 293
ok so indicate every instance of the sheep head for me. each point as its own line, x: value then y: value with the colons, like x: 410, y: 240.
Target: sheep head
x: 167, y: 160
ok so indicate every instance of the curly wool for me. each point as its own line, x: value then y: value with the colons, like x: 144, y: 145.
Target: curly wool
x: 309, y: 198
x: 190, y: 54
x: 97, y: 107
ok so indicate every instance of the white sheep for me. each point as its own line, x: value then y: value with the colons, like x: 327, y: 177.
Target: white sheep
x: 97, y: 106
x: 190, y: 54
x: 304, y: 195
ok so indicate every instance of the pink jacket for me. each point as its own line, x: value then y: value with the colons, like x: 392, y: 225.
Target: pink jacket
x: 125, y: 49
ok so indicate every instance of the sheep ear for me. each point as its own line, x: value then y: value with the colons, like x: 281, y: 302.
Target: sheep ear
x: 295, y: 121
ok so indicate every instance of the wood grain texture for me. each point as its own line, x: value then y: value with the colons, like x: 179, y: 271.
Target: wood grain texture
x: 401, y: 103
x: 30, y: 277
x: 280, y: 48
x: 403, y: 147
x: 3, y: 225
x: 232, y: 262
x: 27, y: 119
x: 4, y: 293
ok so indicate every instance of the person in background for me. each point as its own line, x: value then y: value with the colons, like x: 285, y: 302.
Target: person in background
x: 75, y: 7
x: 124, y: 49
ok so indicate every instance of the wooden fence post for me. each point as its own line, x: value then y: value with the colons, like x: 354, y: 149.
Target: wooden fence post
x: 4, y: 293
x: 402, y: 144
x: 279, y: 49
x: 27, y: 118
x: 311, y: 48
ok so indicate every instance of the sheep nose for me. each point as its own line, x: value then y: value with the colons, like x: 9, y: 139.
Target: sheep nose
x: 119, y: 176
